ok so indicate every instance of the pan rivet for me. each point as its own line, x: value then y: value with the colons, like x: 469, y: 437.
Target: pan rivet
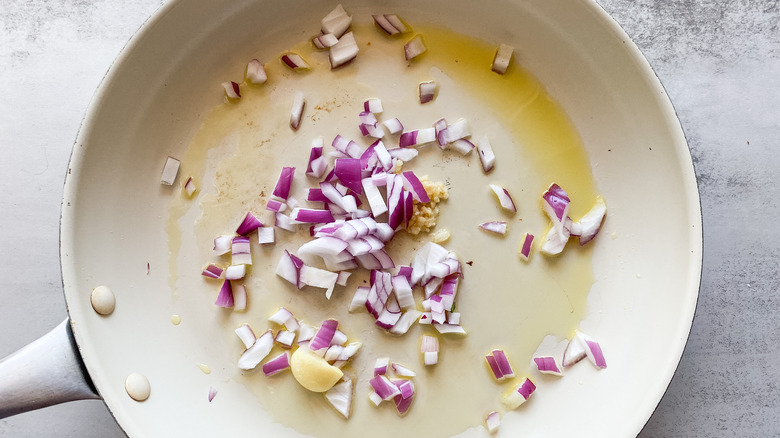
x: 137, y: 387
x: 103, y: 300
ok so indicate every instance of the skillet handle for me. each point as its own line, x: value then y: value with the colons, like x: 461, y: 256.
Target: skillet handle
x: 46, y: 372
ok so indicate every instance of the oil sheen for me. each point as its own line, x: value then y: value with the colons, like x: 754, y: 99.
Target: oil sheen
x: 504, y: 302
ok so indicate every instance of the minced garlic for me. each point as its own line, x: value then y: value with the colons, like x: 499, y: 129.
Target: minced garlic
x: 426, y: 214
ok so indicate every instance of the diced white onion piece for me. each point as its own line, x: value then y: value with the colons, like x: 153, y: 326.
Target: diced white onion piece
x: 555, y: 240
x: 189, y: 187
x: 503, y: 58
x: 547, y: 365
x: 320, y: 278
x: 504, y: 198
x: 453, y: 318
x: 255, y: 73
x: 342, y: 278
x: 519, y: 394
x: 257, y: 352
x: 394, y: 126
x: 591, y: 223
x: 295, y: 61
x: 427, y: 91
x: 339, y: 338
x: 358, y: 302
x: 375, y: 398
x: 492, y: 422
x: 281, y: 316
x: 235, y: 272
x: 325, y: 41
x: 336, y: 22
x: 231, y: 90
x: 170, y: 170
x: 344, y: 51
x: 239, y: 297
x: 285, y: 338
x: 431, y: 358
x: 402, y: 371
x: 246, y: 335
x: 340, y: 397
x: 486, y: 155
x: 525, y: 246
x: 265, y: 235
x: 405, y: 322
x: 446, y: 329
x: 306, y: 332
x: 414, y: 48
x: 498, y: 227
x: 374, y: 197
x: 297, y: 110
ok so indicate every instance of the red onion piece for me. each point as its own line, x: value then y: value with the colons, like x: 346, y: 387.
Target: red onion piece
x: 289, y: 268
x: 373, y: 105
x: 249, y: 224
x: 486, y: 155
x: 297, y: 110
x: 591, y: 223
x: 311, y: 216
x: 324, y: 335
x: 519, y: 394
x: 446, y: 328
x: 359, y: 299
x: 212, y: 271
x: 390, y: 24
x: 239, y: 297
x: 404, y: 401
x: 189, y: 187
x: 504, y: 198
x: 349, y: 173
x: 394, y: 126
x: 414, y: 48
x: 241, y: 251
x: 402, y: 371
x: 394, y: 202
x: 582, y: 345
x: 325, y: 41
x: 503, y: 58
x: 403, y: 154
x: 275, y: 206
x: 295, y: 61
x: 232, y: 92
x: 225, y: 297
x: 347, y: 147
x: 284, y: 222
x: 340, y: 397
x: 246, y: 335
x: 415, y: 187
x: 374, y: 197
x: 463, y: 146
x: 336, y: 22
x: 503, y: 363
x: 417, y: 138
x: 285, y: 338
x: 277, y: 364
x: 403, y: 292
x: 280, y: 316
x: 525, y: 246
x: 492, y: 422
x: 255, y: 73
x: 548, y: 365
x: 257, y: 352
x: 343, y: 277
x: 451, y: 133
x: 320, y: 278
x: 384, y: 387
x: 344, y: 51
x: 427, y: 91
x: 212, y: 393
x: 493, y: 364
x: 429, y: 344
x: 284, y: 183
x: 235, y: 272
x: 405, y: 322
x: 265, y: 236
x: 498, y: 227
x: 169, y: 172
x: 381, y: 365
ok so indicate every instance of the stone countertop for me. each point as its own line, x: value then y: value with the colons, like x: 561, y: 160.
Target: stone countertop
x: 719, y: 61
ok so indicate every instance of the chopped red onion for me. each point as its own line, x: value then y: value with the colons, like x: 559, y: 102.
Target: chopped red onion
x: 405, y: 322
x: 402, y: 371
x: 189, y: 187
x: 390, y: 24
x: 416, y: 138
x: 344, y: 51
x: 375, y: 398
x: 222, y: 244
x: 257, y: 352
x: 324, y: 335
x: 339, y: 338
x: 503, y: 58
x: 349, y: 173
x: 342, y: 278
x: 347, y: 147
x: 403, y: 292
x: 403, y: 154
x: 289, y: 268
x: 239, y: 297
x: 318, y: 165
x: 374, y: 197
x: 281, y: 316
x: 427, y: 91
x: 306, y: 332
x: 451, y: 133
x: 548, y: 365
x: 463, y: 146
x: 235, y: 272
x: 504, y: 198
x: 381, y: 365
x: 414, y: 48
x: 498, y: 227
x: 285, y: 338
x: 373, y: 105
x: 275, y: 206
x: 297, y: 110
x: 336, y: 22
x: 212, y: 393
x: 384, y: 387
x: 284, y: 183
x: 311, y: 216
x: 325, y: 41
x: 591, y: 223
x: 446, y: 328
x: 503, y: 364
x: 430, y: 349
x: 255, y: 73
x: 486, y: 155
x: 582, y: 345
x: 340, y: 397
x: 415, y: 187
x: 359, y: 299
x: 492, y: 422
x: 394, y: 126
x: 231, y: 90
x: 320, y: 278
x: 241, y: 251
x: 265, y: 235
x: 169, y: 172
x: 277, y: 364
x: 520, y: 394
x: 295, y: 62
x: 284, y: 222
x: 249, y: 224
x: 246, y: 335
x: 212, y: 271
x: 525, y: 246
x: 404, y: 401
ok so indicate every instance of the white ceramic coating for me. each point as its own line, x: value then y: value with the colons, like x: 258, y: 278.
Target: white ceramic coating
x: 152, y: 102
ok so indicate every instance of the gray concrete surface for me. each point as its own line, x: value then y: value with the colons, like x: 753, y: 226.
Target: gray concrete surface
x: 718, y: 59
